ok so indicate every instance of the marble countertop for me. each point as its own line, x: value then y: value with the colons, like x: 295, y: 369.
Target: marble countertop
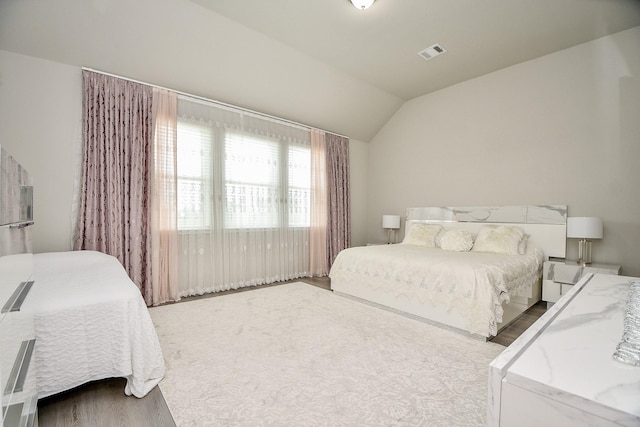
x: 571, y: 360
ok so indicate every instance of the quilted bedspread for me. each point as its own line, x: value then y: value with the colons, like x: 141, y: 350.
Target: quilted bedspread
x: 91, y: 323
x: 474, y: 284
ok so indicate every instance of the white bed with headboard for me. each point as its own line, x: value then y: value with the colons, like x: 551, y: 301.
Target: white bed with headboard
x: 478, y: 290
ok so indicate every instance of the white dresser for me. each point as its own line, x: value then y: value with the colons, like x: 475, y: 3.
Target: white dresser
x: 17, y: 344
x: 559, y: 276
x: 560, y: 372
x: 18, y: 389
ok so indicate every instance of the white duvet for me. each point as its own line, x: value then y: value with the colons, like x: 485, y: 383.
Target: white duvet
x: 474, y: 284
x: 91, y: 323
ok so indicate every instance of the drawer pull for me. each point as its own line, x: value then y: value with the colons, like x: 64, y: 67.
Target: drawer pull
x: 23, y: 414
x: 21, y: 224
x: 14, y: 303
x: 20, y: 368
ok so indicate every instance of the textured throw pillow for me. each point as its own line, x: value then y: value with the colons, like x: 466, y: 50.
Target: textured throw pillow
x: 504, y: 239
x: 522, y: 247
x: 456, y: 240
x: 422, y: 235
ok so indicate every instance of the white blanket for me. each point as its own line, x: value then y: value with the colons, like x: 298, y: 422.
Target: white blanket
x: 91, y: 323
x: 474, y: 284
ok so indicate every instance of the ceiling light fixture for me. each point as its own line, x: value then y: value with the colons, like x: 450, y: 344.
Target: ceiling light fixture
x: 362, y: 4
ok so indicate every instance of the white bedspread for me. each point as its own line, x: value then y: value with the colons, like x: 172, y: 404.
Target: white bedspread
x: 474, y: 284
x: 91, y: 323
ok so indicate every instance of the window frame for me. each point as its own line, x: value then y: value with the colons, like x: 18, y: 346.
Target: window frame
x: 217, y: 190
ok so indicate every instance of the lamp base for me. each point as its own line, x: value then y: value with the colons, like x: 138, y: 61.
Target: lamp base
x: 391, y: 240
x: 584, y: 252
x: 390, y: 232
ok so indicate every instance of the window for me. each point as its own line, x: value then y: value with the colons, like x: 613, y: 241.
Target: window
x: 251, y: 182
x: 299, y: 186
x: 194, y: 157
x: 254, y: 190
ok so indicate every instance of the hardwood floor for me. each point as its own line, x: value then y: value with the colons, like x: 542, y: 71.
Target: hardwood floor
x: 513, y: 331
x: 104, y: 404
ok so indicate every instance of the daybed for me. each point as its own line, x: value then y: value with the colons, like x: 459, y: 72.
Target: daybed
x: 478, y: 287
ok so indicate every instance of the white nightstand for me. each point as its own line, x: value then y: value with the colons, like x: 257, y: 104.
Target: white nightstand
x: 559, y: 276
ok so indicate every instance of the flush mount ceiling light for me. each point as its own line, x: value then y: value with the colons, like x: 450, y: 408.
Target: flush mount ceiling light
x: 362, y: 4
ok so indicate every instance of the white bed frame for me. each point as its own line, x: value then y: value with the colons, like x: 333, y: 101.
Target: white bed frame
x: 546, y: 226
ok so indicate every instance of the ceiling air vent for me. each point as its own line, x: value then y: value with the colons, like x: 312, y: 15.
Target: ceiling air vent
x: 432, y: 51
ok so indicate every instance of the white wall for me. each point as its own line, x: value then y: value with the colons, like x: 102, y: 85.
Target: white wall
x: 358, y: 171
x: 561, y: 129
x: 40, y: 125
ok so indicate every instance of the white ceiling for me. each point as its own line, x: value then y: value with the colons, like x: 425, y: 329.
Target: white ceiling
x: 319, y: 62
x: 380, y: 45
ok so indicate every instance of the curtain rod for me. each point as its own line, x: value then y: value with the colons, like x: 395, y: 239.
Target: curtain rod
x: 213, y: 101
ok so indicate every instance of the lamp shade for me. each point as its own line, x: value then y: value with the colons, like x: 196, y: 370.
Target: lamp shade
x: 391, y: 221
x: 362, y: 4
x: 584, y: 227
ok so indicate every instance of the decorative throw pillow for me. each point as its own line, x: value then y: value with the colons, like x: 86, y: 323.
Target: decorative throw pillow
x: 504, y: 239
x: 456, y: 240
x: 422, y: 235
x: 522, y: 247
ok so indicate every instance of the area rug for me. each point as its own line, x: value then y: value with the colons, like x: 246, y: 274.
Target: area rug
x: 297, y: 355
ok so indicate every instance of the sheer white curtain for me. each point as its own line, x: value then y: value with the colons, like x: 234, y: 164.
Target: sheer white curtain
x: 163, y: 213
x: 244, y: 190
x: 319, y: 265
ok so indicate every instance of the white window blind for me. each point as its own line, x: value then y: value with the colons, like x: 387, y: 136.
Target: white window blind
x: 299, y: 194
x: 194, y: 161
x: 252, y: 171
x: 240, y: 178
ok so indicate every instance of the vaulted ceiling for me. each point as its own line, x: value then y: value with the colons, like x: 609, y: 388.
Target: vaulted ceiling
x: 380, y: 45
x: 319, y: 62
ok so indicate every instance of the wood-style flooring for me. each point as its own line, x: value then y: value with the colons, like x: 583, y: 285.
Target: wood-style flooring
x: 104, y: 404
x: 514, y: 330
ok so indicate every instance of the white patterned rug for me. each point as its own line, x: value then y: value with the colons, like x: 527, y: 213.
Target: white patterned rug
x: 297, y: 355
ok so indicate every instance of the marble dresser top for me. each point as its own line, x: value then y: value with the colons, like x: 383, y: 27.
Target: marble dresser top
x: 571, y: 360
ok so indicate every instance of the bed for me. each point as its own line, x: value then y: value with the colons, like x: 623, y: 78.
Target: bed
x: 66, y: 318
x: 90, y: 323
x: 468, y: 286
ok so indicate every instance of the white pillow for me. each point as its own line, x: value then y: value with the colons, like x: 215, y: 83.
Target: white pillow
x: 422, y: 235
x: 522, y: 247
x: 504, y: 239
x: 456, y: 240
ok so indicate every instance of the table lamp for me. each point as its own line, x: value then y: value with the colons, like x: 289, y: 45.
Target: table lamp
x: 583, y: 228
x: 391, y: 223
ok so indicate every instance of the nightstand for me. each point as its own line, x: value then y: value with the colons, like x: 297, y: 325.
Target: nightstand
x: 559, y: 276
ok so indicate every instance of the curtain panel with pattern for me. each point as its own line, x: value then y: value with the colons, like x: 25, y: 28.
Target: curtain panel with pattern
x: 114, y: 198
x: 339, y: 196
